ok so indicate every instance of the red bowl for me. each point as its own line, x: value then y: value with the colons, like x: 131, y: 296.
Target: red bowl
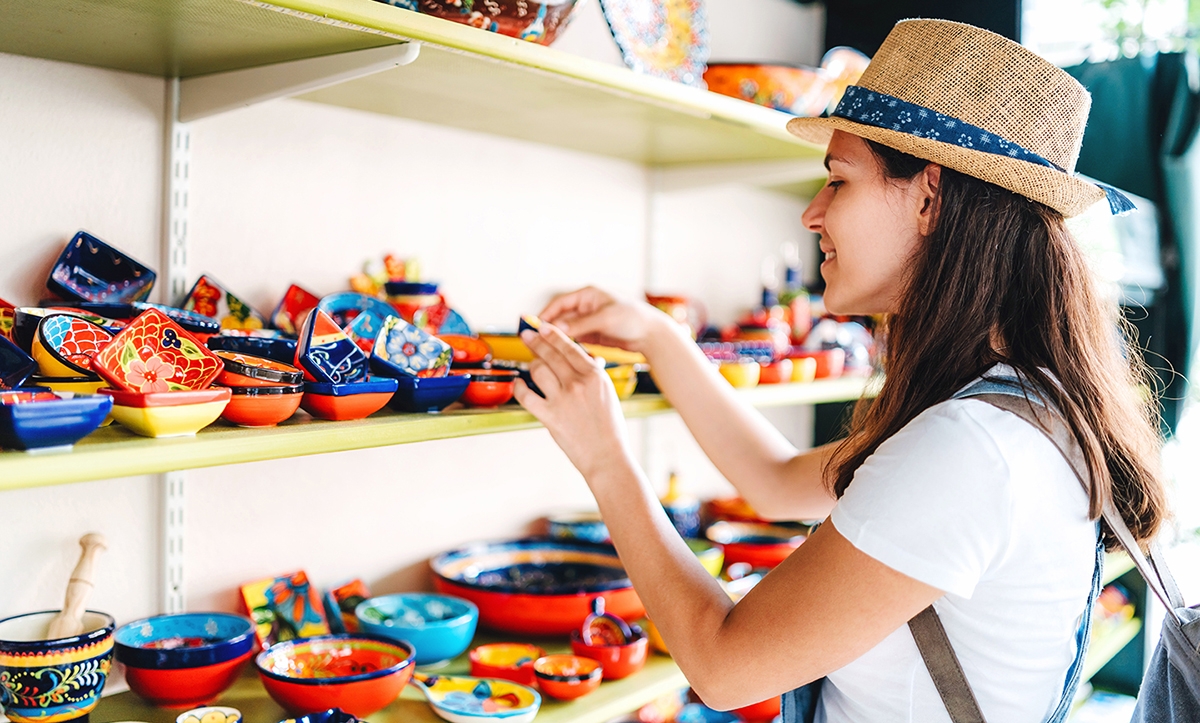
x: 262, y: 406
x: 618, y: 661
x: 357, y: 406
x: 467, y: 349
x: 541, y: 614
x: 490, y: 388
x: 567, y: 677
x: 759, y: 712
x: 830, y: 362
x: 776, y: 372
x: 186, y: 687
x: 357, y: 672
x: 759, y: 544
x: 507, y: 661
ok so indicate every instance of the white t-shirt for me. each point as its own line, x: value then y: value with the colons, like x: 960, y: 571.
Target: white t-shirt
x: 974, y: 501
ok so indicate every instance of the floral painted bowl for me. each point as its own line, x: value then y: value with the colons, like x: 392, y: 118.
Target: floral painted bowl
x: 462, y: 699
x: 154, y: 354
x: 428, y: 394
x: 186, y: 659
x: 536, y: 586
x: 357, y: 672
x: 759, y: 544
x: 209, y: 298
x: 403, y: 349
x: 262, y: 406
x: 439, y: 627
x: 326, y: 354
x: 508, y: 661
x: 36, y: 419
x: 280, y: 350
x: 567, y: 677
x: 355, y: 400
x: 168, y: 414
x: 65, y: 345
x: 293, y: 307
x: 15, y: 365
x: 537, y: 22
x: 52, y: 681
x: 90, y: 270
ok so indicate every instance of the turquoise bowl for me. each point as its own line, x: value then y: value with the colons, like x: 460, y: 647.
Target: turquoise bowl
x: 439, y: 627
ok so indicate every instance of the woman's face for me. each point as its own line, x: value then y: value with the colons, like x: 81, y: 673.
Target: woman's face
x: 870, y: 227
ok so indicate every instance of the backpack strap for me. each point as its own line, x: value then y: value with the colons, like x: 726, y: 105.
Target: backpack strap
x: 944, y: 668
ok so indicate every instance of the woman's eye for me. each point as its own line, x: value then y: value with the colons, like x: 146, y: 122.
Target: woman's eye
x: 835, y: 184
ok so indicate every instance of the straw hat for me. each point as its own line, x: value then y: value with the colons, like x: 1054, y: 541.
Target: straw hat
x: 977, y: 102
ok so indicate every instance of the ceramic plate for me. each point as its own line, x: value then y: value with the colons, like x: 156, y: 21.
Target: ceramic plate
x: 154, y: 354
x: 664, y: 38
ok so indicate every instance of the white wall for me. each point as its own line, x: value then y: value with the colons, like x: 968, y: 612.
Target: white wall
x: 295, y: 191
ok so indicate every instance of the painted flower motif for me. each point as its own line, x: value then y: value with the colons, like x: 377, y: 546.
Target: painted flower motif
x: 415, y: 351
x: 150, y: 375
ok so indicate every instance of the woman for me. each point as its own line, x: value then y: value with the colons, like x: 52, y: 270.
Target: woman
x: 948, y: 185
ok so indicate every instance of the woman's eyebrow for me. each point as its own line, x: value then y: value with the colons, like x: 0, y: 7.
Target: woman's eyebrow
x: 830, y: 157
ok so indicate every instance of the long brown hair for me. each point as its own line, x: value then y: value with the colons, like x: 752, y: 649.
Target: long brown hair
x: 1000, y: 279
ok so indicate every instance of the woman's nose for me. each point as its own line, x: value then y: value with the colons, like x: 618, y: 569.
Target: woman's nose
x: 814, y: 216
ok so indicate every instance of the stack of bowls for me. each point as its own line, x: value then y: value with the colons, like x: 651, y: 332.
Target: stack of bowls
x: 265, y: 392
x: 39, y: 419
x: 336, y: 370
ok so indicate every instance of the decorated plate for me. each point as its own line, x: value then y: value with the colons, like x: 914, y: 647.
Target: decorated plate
x: 664, y: 38
x: 154, y: 354
x: 209, y: 298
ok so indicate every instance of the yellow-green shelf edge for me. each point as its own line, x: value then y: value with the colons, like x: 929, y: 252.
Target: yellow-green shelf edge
x: 115, y: 452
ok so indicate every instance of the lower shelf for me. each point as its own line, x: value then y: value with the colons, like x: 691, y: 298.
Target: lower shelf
x: 1106, y: 645
x: 660, y: 677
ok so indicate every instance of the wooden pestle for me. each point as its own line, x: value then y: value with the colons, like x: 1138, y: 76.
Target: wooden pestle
x: 69, y: 622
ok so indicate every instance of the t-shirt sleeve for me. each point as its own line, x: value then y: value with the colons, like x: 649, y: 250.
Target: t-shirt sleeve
x: 933, y: 502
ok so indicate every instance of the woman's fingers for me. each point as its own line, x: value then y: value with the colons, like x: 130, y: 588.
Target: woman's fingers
x: 530, y: 400
x: 576, y: 303
x: 571, y: 352
x: 544, y: 377
x: 550, y: 355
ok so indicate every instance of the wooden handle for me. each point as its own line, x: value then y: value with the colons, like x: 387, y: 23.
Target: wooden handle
x: 70, y: 621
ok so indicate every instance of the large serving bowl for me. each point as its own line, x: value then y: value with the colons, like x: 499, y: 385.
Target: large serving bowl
x: 48, y: 681
x: 439, y: 627
x: 759, y: 544
x: 357, y: 672
x: 538, y: 22
x: 184, y: 660
x: 537, y: 586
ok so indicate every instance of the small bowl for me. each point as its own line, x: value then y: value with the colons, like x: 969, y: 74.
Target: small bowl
x: 507, y: 347
x: 507, y: 661
x: 357, y: 672
x: 292, y: 308
x: 38, y: 419
x: 168, y: 414
x: 617, y: 661
x: 184, y: 660
x: 280, y: 350
x: 247, y: 370
x: 215, y: 714
x: 537, y: 22
x: 53, y: 680
x: 402, y: 349
x: 830, y: 362
x: 795, y: 89
x: 87, y: 384
x: 154, y: 354
x: 741, y: 374
x: 567, y: 677
x: 585, y: 526
x: 490, y: 388
x: 90, y: 270
x: 15, y: 365
x: 776, y: 372
x: 262, y: 406
x: 326, y: 354
x: 711, y: 557
x: 428, y: 394
x: 467, y: 349
x: 756, y: 543
x: 439, y: 627
x: 804, y: 369
x: 354, y: 400
x: 64, y: 345
x: 624, y: 378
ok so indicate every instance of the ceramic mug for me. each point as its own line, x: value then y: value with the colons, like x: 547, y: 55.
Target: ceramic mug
x: 49, y: 681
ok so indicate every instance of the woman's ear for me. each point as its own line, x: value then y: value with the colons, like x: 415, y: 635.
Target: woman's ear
x: 928, y: 183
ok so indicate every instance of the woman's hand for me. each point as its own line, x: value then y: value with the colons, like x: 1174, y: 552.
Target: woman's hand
x: 580, y: 407
x: 594, y: 316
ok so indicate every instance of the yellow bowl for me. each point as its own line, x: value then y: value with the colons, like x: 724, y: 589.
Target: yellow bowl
x: 175, y: 421
x: 804, y: 369
x: 741, y: 374
x: 507, y: 347
x: 624, y: 378
x: 711, y: 556
x: 48, y: 364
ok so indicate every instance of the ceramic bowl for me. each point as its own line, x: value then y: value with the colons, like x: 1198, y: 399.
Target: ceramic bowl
x: 210, y: 298
x: 15, y: 365
x: 90, y: 270
x: 711, y: 557
x: 64, y: 345
x: 280, y: 350
x: 193, y: 323
x: 776, y: 372
x: 830, y: 362
x: 220, y: 714
x: 326, y: 354
x: 402, y: 349
x: 87, y: 384
x: 51, y: 681
x: 507, y: 347
x: 804, y: 369
x: 439, y: 627
x: 262, y: 406
x: 428, y: 394
x: 624, y: 378
x: 585, y: 526
x: 567, y: 677
x: 26, y: 320
x: 333, y: 715
x: 537, y: 586
x: 168, y: 414
x: 617, y: 661
x: 248, y: 370
x: 37, y: 419
x: 154, y: 354
x: 525, y: 19
x: 490, y: 388
x: 797, y: 89
x: 292, y: 308
x: 759, y: 544
x: 462, y: 699
x: 184, y: 660
x: 741, y: 374
x: 357, y: 672
x: 734, y: 509
x: 508, y: 661
x: 468, y: 350
x: 355, y: 400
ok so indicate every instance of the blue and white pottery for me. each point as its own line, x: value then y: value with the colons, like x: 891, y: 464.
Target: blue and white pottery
x: 403, y: 349
x: 51, y: 681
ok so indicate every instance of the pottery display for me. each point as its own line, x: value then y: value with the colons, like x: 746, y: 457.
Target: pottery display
x: 357, y: 672
x: 281, y: 350
x: 15, y: 365
x: 439, y: 627
x: 462, y: 699
x: 756, y: 543
x: 64, y: 345
x: 197, y: 324
x: 567, y: 677
x: 467, y: 350
x: 36, y: 419
x: 247, y: 370
x: 209, y: 298
x: 536, y: 586
x: 52, y: 681
x: 154, y: 354
x: 326, y: 354
x: 360, y: 316
x: 262, y: 406
x: 284, y: 608
x: 664, y: 38
x: 617, y: 660
x: 354, y: 400
x: 428, y: 394
x: 340, y: 603
x: 490, y: 387
x: 403, y: 349
x: 537, y: 22
x: 509, y: 661
x: 168, y: 414
x: 90, y: 270
x: 776, y: 372
x: 794, y: 89
x: 292, y: 308
x: 829, y: 362
x: 185, y: 659
x: 741, y: 374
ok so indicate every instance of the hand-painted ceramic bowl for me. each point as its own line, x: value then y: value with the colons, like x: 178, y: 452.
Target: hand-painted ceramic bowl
x: 507, y: 347
x: 428, y: 394
x: 196, y: 324
x: 439, y: 627
x: 154, y: 354
x: 355, y: 400
x: 624, y: 378
x: 292, y: 308
x: 462, y: 699
x: 830, y: 362
x: 741, y: 374
x: 15, y: 365
x: 490, y: 388
x: 798, y: 90
x: 804, y: 369
x: 64, y: 345
x: 567, y: 677
x: 585, y: 526
x: 281, y: 350
x: 184, y: 660
x: 220, y: 714
x: 402, y: 349
x: 776, y: 372
x: 509, y: 661
x: 756, y: 543
x: 34, y: 418
x: 357, y: 672
x: 326, y: 354
x: 333, y: 715
x: 468, y: 350
x: 537, y: 22
x: 247, y: 370
x: 90, y: 270
x: 168, y: 414
x: 618, y: 661
x: 50, y: 681
x: 262, y: 406
x: 537, y: 586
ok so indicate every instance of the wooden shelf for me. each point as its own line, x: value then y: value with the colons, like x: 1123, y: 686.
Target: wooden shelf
x: 660, y: 677
x: 116, y: 452
x: 1104, y: 647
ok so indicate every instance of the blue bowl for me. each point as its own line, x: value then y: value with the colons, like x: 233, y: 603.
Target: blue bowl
x: 184, y: 640
x: 439, y: 627
x: 90, y: 270
x: 281, y: 350
x: 372, y: 385
x: 409, y: 288
x: 15, y: 365
x: 52, y: 422
x: 53, y: 680
x: 345, y: 306
x: 428, y: 394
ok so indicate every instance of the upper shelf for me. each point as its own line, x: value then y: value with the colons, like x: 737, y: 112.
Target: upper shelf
x: 116, y: 452
x: 464, y: 77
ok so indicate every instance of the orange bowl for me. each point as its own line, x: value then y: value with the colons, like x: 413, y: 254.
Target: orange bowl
x: 262, y: 406
x: 508, y: 661
x: 490, y: 388
x: 567, y: 677
x: 794, y: 89
x: 830, y: 362
x: 618, y: 661
x: 759, y: 712
x: 776, y: 372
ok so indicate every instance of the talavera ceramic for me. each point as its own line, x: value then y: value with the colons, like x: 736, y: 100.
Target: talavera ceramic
x: 756, y: 543
x: 168, y: 414
x: 462, y: 699
x: 284, y: 608
x: 326, y: 354
x: 567, y: 677
x: 262, y: 406
x: 428, y: 394
x: 90, y: 270
x: 209, y: 298
x: 154, y: 354
x: 65, y: 345
x: 52, y: 681
x: 509, y: 661
x: 292, y: 308
x: 439, y: 627
x: 618, y: 661
x: 664, y: 38
x: 340, y: 603
x: 36, y: 419
x: 403, y: 349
